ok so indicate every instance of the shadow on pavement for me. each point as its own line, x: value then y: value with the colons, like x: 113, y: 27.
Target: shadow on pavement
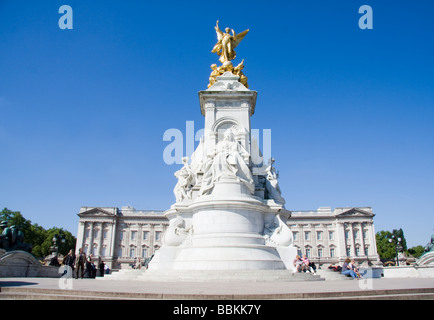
x: 16, y: 283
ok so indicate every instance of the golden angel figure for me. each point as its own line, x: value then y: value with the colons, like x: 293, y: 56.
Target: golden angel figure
x: 227, y: 43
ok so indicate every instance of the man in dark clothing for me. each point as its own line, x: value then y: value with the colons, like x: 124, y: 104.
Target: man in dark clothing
x: 81, y: 260
x: 69, y: 261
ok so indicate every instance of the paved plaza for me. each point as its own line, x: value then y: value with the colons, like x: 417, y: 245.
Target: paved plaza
x: 421, y: 288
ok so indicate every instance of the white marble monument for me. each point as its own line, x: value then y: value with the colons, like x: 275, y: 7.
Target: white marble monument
x: 229, y: 212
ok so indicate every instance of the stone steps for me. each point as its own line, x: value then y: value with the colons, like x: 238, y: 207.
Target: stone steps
x: 214, y: 275
x: 20, y: 293
x: 332, y: 275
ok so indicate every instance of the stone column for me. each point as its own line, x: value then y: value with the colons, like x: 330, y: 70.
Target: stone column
x: 139, y: 239
x: 371, y: 239
x: 151, y: 237
x: 362, y: 242
x: 98, y: 253
x: 353, y: 240
x: 341, y: 242
x: 90, y: 246
x: 113, y: 240
x: 80, y: 236
x: 313, y: 240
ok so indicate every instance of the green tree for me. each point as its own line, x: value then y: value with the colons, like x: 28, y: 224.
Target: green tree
x: 40, y: 239
x: 65, y: 241
x: 387, y: 249
x: 417, y: 251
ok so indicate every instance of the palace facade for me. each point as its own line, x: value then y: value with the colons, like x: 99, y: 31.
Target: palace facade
x: 326, y: 236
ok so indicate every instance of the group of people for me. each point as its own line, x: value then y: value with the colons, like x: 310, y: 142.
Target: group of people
x: 83, y: 265
x: 348, y: 269
x: 302, y: 264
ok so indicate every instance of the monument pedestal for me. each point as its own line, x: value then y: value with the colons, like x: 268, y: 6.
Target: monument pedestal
x: 221, y: 231
x: 229, y: 214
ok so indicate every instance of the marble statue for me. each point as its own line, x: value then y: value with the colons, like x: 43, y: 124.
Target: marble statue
x: 176, y: 233
x: 278, y: 233
x: 185, y: 176
x: 227, y: 160
x: 272, y: 183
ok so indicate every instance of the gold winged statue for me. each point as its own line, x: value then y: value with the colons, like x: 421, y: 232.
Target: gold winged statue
x: 227, y: 43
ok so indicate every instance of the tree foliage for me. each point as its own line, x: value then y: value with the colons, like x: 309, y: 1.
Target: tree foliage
x: 40, y: 238
x: 387, y: 249
x: 417, y: 251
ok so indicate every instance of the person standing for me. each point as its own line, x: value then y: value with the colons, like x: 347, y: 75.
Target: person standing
x: 69, y: 262
x: 81, y: 260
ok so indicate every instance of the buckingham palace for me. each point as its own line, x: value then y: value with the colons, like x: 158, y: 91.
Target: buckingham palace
x: 326, y: 236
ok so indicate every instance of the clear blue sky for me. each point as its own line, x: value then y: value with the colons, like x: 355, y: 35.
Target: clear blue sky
x: 83, y: 111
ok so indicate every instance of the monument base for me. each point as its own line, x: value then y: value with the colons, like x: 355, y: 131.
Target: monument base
x: 211, y: 276
x: 227, y: 230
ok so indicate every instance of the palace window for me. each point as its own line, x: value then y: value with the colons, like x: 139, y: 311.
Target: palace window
x: 145, y: 235
x: 347, y: 234
x: 157, y: 235
x: 331, y: 235
x: 307, y: 235
x: 95, y: 250
x: 295, y: 236
x: 105, y: 234
x: 348, y: 250
x: 332, y: 252
x: 320, y: 252
x: 133, y: 235
x: 307, y: 252
x: 144, y: 252
x: 357, y: 251
x: 365, y: 234
x: 319, y: 235
x: 356, y: 234
x: 366, y: 250
x: 132, y: 252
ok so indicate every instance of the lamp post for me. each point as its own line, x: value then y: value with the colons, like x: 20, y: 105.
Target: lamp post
x: 398, y: 246
x: 55, y: 247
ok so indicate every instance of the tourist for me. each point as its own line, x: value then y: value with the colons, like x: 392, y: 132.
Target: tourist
x: 81, y: 260
x: 69, y: 261
x: 312, y: 267
x: 101, y: 266
x: 352, y: 266
x: 347, y: 271
x: 90, y: 271
x: 54, y: 262
x: 307, y: 265
x: 138, y: 264
x: 298, y: 264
